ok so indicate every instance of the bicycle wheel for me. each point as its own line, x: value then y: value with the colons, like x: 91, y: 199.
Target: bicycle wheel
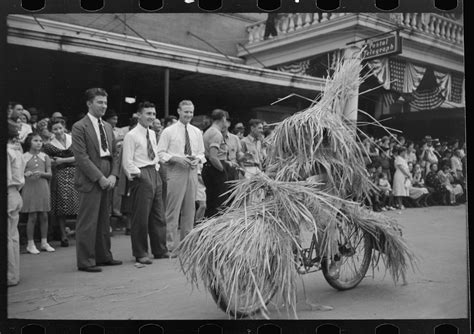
x: 243, y: 301
x: 352, y: 259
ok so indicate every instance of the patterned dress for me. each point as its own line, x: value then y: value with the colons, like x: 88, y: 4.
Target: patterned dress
x: 64, y: 196
x: 35, y: 192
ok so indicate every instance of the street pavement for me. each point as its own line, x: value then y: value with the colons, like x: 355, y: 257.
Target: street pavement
x: 52, y: 288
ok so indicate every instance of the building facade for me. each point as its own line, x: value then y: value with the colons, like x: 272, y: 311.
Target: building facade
x: 239, y: 62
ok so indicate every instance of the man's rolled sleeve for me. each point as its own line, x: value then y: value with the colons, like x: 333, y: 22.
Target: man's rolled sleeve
x: 128, y: 150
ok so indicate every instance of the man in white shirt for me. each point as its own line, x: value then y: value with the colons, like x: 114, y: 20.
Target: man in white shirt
x: 181, y: 148
x: 140, y: 162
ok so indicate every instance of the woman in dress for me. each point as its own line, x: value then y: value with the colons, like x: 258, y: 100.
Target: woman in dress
x: 64, y: 196
x: 401, y: 176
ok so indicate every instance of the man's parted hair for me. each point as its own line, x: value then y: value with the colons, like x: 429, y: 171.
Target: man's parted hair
x: 145, y: 104
x: 185, y: 103
x: 219, y: 114
x: 255, y: 122
x: 91, y: 93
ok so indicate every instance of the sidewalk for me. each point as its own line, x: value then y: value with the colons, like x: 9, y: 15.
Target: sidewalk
x: 52, y: 288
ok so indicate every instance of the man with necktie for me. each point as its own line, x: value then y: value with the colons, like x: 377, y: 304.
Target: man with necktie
x: 181, y: 148
x: 141, y: 165
x: 96, y: 174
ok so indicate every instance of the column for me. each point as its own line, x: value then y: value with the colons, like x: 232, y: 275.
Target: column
x: 166, y: 92
x: 352, y: 103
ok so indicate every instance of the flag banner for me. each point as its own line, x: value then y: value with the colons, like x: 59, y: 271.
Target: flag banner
x: 456, y: 95
x: 413, y: 74
x: 298, y: 68
x: 427, y: 99
x: 380, y: 69
x: 444, y: 83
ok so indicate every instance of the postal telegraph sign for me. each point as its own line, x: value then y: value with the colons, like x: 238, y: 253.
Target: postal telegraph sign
x: 385, y: 46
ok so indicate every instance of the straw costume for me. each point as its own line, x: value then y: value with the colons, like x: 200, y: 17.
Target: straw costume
x: 315, y: 179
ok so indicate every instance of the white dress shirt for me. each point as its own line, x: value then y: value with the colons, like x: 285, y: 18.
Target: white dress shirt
x: 172, y: 142
x: 95, y: 123
x: 134, y: 150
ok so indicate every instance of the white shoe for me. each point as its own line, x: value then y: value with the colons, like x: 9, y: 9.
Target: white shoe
x: 32, y: 250
x: 47, y: 247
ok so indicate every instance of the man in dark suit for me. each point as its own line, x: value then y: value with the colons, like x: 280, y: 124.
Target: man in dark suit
x: 96, y: 174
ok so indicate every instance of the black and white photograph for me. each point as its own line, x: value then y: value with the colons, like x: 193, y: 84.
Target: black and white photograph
x: 172, y: 166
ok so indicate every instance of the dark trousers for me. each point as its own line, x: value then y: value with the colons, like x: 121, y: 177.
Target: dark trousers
x: 216, y: 186
x: 148, y: 218
x: 92, y: 226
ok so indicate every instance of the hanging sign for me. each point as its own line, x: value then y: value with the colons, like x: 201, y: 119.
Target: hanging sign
x: 381, y: 47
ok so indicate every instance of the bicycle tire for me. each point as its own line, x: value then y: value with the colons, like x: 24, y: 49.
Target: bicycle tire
x: 340, y: 284
x: 268, y: 290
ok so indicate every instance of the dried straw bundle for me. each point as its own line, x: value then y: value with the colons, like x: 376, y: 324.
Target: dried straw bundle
x: 248, y: 251
x: 319, y: 140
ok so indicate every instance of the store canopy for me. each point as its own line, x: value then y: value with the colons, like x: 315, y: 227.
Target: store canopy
x: 53, y: 35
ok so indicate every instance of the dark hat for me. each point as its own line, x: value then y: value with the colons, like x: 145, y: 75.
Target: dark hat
x: 110, y: 113
x: 33, y: 111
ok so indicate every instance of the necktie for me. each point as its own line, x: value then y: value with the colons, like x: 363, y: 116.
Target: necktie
x: 187, y: 143
x: 103, y: 140
x: 149, y: 147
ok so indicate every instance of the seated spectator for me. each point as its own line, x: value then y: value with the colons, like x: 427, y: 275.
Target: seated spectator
x: 433, y: 181
x: 418, y: 193
x: 446, y: 178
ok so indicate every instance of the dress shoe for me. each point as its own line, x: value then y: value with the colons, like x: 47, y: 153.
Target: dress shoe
x: 109, y: 263
x: 166, y: 255
x: 92, y: 269
x: 47, y: 247
x: 65, y: 243
x: 144, y: 260
x: 32, y: 249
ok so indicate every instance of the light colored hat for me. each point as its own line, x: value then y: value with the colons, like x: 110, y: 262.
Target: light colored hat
x: 27, y: 114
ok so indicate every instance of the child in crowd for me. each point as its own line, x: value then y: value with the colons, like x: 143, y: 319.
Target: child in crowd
x: 384, y: 162
x: 386, y: 195
x: 374, y: 198
x: 35, y: 193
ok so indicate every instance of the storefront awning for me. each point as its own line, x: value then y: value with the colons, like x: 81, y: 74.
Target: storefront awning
x: 53, y: 35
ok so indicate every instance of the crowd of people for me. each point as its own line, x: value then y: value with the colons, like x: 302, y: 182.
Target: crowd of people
x: 163, y: 176
x: 415, y: 174
x: 160, y: 176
